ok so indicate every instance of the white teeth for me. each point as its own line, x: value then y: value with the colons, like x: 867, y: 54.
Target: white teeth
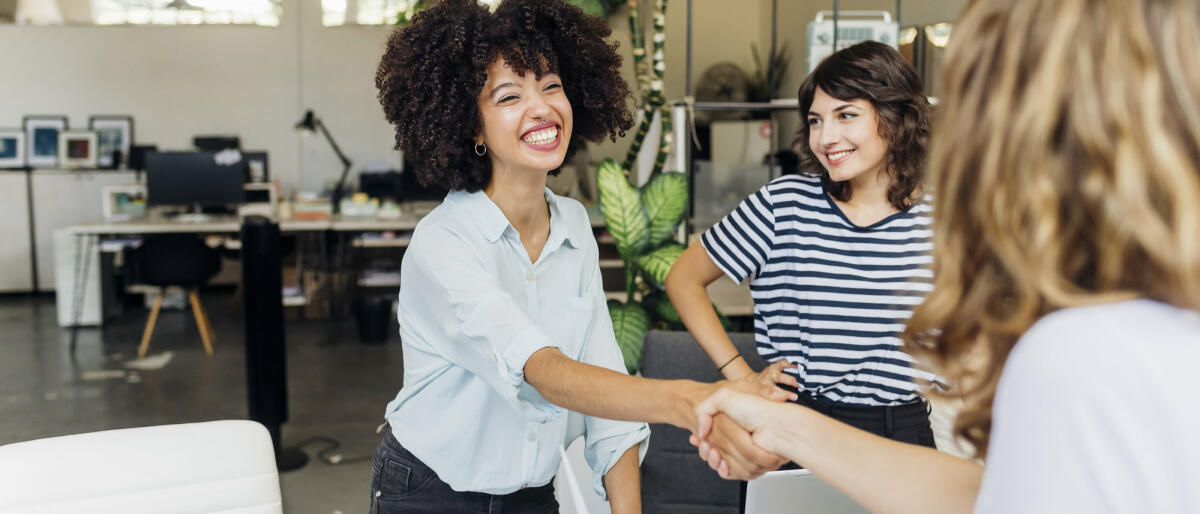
x: 838, y: 155
x: 541, y: 137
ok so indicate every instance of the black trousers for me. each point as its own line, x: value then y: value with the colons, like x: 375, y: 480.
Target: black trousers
x: 401, y: 483
x: 907, y: 423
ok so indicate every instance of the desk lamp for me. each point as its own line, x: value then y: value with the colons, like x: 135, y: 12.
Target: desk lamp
x: 311, y: 123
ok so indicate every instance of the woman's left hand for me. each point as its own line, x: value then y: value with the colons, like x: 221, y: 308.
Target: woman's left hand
x: 771, y: 376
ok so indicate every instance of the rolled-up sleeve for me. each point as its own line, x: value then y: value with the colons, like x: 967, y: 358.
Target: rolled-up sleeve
x: 606, y: 440
x: 480, y: 326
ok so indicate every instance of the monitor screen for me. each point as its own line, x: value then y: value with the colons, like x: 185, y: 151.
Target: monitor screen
x: 193, y: 178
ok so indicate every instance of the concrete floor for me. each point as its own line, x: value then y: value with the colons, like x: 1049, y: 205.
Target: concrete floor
x: 336, y: 389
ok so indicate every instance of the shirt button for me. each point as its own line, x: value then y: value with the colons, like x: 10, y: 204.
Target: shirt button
x: 524, y: 485
x: 378, y: 493
x: 529, y: 277
x: 530, y: 436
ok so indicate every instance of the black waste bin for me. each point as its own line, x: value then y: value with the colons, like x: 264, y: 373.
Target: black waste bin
x: 374, y: 316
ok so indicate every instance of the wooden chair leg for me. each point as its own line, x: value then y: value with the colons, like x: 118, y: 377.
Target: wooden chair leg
x: 200, y: 323
x: 158, y: 300
x: 212, y: 334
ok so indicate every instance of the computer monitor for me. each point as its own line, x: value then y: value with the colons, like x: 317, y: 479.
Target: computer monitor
x: 137, y: 156
x: 411, y: 189
x: 193, y: 179
x: 382, y: 184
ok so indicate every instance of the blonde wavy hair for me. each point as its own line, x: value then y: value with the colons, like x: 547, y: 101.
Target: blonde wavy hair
x: 1064, y: 165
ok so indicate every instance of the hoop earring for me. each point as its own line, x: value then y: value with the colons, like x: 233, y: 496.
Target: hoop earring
x: 481, y: 152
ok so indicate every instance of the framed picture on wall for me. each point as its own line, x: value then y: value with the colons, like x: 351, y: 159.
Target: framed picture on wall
x: 41, y: 140
x: 77, y: 149
x: 12, y: 148
x: 114, y: 137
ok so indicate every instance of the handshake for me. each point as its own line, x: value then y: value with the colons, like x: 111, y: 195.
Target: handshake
x: 738, y: 428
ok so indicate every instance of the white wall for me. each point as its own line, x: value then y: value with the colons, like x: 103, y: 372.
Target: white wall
x: 178, y: 82
x: 256, y: 82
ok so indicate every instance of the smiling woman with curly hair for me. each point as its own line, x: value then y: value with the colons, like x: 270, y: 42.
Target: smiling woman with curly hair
x: 431, y: 74
x: 502, y: 311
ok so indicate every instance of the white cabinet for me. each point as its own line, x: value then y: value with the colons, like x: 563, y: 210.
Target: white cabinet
x: 62, y: 199
x: 16, y: 263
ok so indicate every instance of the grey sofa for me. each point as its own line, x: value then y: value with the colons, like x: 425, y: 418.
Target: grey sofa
x: 674, y: 479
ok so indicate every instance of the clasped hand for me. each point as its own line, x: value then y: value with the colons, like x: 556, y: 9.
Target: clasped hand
x: 726, y: 433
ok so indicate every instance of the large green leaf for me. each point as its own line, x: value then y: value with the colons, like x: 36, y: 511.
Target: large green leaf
x: 656, y: 264
x: 660, y: 305
x: 622, y: 210
x: 597, y: 8
x: 665, y: 198
x: 630, y: 324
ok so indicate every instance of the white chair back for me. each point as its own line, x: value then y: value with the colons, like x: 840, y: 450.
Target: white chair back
x: 218, y: 466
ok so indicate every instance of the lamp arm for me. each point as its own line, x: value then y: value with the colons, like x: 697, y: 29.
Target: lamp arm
x: 336, y: 149
x: 341, y: 183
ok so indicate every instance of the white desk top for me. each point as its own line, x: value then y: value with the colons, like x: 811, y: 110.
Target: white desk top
x: 230, y: 224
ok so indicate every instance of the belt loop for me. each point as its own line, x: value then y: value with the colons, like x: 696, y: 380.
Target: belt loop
x: 887, y: 415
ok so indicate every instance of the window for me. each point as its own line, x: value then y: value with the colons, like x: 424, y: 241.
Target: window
x: 264, y: 13
x: 336, y: 13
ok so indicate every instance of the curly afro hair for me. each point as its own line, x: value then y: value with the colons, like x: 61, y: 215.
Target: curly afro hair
x: 433, y: 71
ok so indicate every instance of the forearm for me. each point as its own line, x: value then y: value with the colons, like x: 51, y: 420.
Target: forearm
x: 624, y: 484
x: 881, y: 474
x: 605, y: 393
x: 691, y: 300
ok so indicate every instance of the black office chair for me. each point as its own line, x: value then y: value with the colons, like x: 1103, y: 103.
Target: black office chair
x: 181, y: 260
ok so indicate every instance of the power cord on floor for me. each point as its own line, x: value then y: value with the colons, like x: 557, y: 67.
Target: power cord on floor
x: 326, y: 453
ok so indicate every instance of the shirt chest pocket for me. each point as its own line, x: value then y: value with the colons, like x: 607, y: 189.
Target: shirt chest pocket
x: 568, y: 324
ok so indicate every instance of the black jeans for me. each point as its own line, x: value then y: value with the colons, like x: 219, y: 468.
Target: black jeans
x: 401, y: 483
x: 907, y: 423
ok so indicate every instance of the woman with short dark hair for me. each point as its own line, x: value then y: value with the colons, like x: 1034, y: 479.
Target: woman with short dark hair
x: 837, y: 256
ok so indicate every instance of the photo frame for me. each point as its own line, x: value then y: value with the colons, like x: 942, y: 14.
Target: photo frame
x: 77, y: 149
x: 113, y: 134
x: 123, y: 203
x: 41, y: 139
x: 12, y: 148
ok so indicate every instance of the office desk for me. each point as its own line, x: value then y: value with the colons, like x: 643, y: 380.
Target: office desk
x: 232, y: 225
x: 84, y: 239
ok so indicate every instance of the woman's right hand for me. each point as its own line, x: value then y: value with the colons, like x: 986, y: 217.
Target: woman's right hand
x: 752, y: 413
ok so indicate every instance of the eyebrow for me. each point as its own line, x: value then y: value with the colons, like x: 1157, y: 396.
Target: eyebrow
x: 501, y: 86
x: 839, y: 108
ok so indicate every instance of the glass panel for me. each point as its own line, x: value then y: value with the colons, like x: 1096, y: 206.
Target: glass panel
x: 335, y: 13
x: 264, y: 13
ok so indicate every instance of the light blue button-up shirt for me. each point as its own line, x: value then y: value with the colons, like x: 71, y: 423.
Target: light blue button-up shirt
x: 473, y: 308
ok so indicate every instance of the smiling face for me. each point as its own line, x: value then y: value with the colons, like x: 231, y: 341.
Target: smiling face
x: 844, y: 135
x: 526, y: 120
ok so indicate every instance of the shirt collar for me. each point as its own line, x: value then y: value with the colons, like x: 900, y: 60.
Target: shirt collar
x: 485, y: 214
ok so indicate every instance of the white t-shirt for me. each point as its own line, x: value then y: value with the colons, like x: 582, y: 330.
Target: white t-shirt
x: 1098, y: 410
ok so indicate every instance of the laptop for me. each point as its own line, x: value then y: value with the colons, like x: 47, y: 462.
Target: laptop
x: 797, y: 492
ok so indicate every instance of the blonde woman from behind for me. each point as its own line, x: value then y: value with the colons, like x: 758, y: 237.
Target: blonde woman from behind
x: 1065, y: 166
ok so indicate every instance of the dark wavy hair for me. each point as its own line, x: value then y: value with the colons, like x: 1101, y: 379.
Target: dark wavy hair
x: 433, y: 70
x: 879, y: 74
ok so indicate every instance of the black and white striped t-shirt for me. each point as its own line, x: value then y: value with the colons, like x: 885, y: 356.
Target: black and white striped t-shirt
x: 829, y: 295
